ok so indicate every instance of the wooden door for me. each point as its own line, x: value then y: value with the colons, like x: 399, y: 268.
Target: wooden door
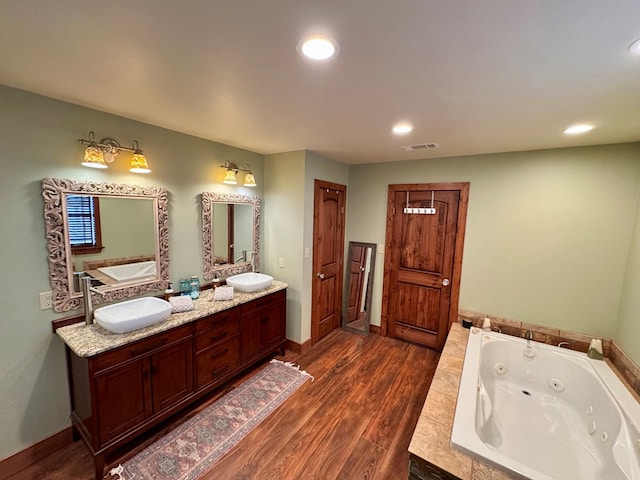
x: 356, y: 280
x: 328, y: 254
x: 423, y: 261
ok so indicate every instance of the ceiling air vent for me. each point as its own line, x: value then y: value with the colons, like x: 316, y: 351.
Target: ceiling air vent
x: 420, y: 146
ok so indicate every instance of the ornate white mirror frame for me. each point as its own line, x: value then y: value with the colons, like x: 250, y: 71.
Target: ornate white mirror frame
x: 211, y: 269
x: 59, y: 252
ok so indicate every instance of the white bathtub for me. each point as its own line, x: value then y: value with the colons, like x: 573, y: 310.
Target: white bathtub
x: 130, y: 271
x: 541, y: 412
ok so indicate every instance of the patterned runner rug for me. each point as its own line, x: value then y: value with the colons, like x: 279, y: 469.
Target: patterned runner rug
x: 192, y: 448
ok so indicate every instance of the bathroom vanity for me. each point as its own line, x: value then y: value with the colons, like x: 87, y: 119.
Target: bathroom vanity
x: 121, y: 385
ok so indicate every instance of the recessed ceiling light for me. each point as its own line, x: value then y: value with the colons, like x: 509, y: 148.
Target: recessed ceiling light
x: 318, y: 47
x: 635, y: 47
x: 578, y: 129
x: 402, y: 128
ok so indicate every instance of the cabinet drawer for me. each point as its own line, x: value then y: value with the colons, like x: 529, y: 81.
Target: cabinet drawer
x: 141, y: 347
x: 213, y: 321
x: 217, y: 361
x: 218, y: 330
x: 261, y: 302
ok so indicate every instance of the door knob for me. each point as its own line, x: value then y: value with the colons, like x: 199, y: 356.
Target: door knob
x: 321, y: 276
x: 445, y: 282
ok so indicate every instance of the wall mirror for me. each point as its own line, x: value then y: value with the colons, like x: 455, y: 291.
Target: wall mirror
x: 358, y: 287
x: 116, y: 234
x: 230, y: 234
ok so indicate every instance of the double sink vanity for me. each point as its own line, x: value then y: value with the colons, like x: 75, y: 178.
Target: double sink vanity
x: 123, y: 384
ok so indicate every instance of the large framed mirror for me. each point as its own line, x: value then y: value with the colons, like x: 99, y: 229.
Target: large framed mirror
x: 230, y: 234
x: 358, y: 287
x: 117, y: 234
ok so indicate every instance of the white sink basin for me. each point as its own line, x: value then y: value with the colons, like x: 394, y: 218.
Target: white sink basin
x: 133, y: 314
x: 250, y: 281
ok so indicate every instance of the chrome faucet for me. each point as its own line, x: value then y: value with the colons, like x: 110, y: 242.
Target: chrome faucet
x: 253, y: 261
x: 86, y: 297
x: 242, y: 258
x: 529, y: 351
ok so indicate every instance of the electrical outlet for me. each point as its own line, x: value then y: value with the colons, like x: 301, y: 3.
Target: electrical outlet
x: 45, y: 300
x: 281, y: 262
x: 380, y: 248
x: 306, y: 252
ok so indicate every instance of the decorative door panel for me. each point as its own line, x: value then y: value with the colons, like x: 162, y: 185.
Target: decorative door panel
x: 425, y: 231
x: 328, y: 250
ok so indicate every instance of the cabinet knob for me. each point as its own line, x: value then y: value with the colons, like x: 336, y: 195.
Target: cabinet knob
x: 321, y: 276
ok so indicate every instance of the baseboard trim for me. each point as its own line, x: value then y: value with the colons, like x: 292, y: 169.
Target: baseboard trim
x: 35, y: 453
x: 297, y: 347
x: 375, y: 329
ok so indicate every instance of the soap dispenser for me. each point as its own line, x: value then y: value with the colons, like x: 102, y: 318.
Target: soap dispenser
x: 168, y: 293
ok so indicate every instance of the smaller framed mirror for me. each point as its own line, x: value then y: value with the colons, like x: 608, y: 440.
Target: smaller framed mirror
x: 230, y: 234
x: 358, y: 287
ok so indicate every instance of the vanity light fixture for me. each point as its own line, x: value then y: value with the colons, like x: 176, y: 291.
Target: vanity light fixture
x: 232, y: 171
x: 98, y: 154
x: 634, y: 48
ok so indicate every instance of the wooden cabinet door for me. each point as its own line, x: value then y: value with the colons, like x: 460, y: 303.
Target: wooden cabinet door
x: 251, y: 327
x: 123, y: 398
x: 172, y: 374
x: 273, y: 325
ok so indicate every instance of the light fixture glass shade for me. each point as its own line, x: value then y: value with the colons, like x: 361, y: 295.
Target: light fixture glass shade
x: 139, y: 163
x: 93, y: 157
x: 249, y: 180
x: 230, y: 178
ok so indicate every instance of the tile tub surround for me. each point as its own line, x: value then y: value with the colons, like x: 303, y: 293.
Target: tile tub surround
x: 624, y: 366
x: 431, y: 441
x: 89, y: 340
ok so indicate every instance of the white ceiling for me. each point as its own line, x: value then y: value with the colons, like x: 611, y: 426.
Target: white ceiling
x: 473, y: 76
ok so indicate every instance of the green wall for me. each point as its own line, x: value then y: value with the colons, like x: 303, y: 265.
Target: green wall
x: 628, y: 332
x: 38, y: 139
x: 548, y: 232
x: 289, y: 210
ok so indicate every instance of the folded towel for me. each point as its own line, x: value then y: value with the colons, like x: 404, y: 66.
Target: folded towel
x: 223, y: 293
x: 182, y: 303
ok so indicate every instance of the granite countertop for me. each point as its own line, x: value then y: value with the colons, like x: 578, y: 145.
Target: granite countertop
x: 431, y: 439
x: 89, y: 340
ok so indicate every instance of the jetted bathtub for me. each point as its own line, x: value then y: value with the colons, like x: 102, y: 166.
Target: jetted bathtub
x: 541, y: 412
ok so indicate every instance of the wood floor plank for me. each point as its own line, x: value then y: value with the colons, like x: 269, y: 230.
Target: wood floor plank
x: 354, y: 421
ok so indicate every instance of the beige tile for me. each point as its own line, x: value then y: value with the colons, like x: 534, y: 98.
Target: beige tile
x: 458, y: 334
x: 432, y: 443
x: 445, y: 382
x: 439, y: 408
x: 480, y: 471
x: 455, y: 349
x: 452, y: 363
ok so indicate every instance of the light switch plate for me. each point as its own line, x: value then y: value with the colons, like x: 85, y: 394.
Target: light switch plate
x: 281, y: 262
x: 380, y: 248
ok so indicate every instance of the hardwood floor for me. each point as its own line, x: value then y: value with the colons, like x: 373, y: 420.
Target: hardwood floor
x: 354, y: 421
